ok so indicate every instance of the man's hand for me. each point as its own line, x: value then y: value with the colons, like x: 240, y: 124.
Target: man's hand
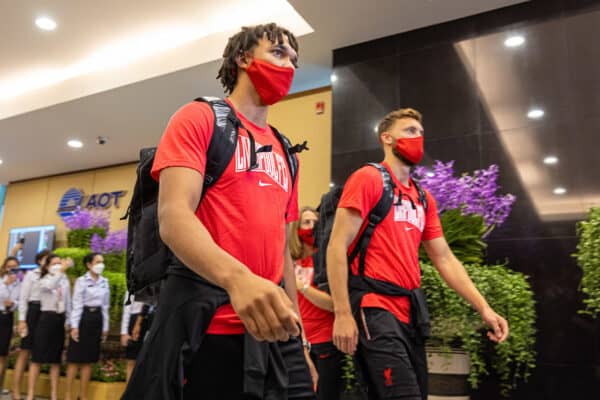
x: 498, y: 325
x: 75, y: 334
x: 125, y: 339
x: 345, y: 333
x: 264, y: 308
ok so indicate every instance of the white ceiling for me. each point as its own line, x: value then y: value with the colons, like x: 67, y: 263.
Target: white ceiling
x: 131, y: 100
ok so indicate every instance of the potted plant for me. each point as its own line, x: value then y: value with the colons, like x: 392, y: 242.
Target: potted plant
x: 588, y: 258
x: 470, y: 208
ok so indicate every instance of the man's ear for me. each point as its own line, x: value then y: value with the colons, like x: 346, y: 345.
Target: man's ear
x: 243, y: 60
x: 386, y: 138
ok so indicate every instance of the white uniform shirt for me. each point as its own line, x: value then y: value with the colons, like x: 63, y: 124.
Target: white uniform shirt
x: 134, y: 308
x: 55, y: 294
x: 30, y: 291
x: 9, y: 292
x: 90, y: 293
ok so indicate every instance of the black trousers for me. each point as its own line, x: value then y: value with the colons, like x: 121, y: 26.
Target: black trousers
x: 328, y: 361
x: 393, y: 364
x: 217, y: 370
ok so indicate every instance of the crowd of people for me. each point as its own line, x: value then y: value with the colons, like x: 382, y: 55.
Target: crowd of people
x: 49, y: 314
x: 239, y: 315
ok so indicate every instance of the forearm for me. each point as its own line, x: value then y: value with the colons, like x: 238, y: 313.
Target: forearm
x: 455, y: 275
x: 187, y: 237
x: 337, y: 276
x: 318, y: 298
x: 289, y: 279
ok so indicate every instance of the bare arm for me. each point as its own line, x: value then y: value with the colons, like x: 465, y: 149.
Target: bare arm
x: 345, y: 228
x: 262, y: 306
x: 453, y: 272
x: 318, y: 298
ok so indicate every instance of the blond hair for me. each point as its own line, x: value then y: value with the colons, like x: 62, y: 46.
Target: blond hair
x: 295, y: 244
x: 386, y: 123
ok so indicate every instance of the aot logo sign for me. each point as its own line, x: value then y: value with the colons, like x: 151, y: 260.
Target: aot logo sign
x: 75, y: 198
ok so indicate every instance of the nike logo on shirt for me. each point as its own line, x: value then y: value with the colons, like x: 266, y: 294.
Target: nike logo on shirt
x: 263, y: 184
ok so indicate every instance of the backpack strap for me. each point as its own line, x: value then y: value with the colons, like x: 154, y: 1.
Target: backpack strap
x: 290, y: 152
x: 375, y: 216
x: 422, y: 196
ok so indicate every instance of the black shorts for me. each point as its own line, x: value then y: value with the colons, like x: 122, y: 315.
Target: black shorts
x: 217, y: 370
x: 49, y: 340
x: 393, y: 365
x: 328, y: 361
x: 87, y: 349
x: 6, y: 331
x: 32, y: 318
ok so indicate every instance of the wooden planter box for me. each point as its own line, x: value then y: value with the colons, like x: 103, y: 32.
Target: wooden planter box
x: 96, y: 390
x: 448, y: 372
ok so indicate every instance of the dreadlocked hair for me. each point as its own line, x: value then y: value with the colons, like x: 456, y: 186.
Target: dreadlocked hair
x: 244, y: 41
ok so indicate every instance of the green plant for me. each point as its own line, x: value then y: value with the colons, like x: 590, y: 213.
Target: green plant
x: 81, y: 237
x: 115, y: 262
x: 588, y: 258
x: 109, y: 371
x: 77, y: 255
x: 349, y: 374
x: 454, y: 322
x: 463, y: 234
x: 118, y: 288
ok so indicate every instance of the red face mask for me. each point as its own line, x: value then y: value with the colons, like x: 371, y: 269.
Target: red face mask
x: 307, y: 236
x: 410, y: 148
x: 272, y: 83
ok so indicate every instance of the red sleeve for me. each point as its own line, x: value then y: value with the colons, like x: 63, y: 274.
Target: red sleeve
x: 362, y: 191
x: 186, y: 138
x: 433, y: 226
x: 292, y: 213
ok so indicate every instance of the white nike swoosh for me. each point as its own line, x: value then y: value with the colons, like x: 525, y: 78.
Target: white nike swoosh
x: 409, y: 229
x: 262, y: 184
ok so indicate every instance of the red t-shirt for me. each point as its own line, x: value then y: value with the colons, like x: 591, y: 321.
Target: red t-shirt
x: 318, y: 323
x: 393, y: 253
x: 245, y: 211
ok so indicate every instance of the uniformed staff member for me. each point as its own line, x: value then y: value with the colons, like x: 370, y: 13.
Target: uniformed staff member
x: 89, y: 323
x: 9, y: 298
x: 48, y: 343
x: 134, y: 325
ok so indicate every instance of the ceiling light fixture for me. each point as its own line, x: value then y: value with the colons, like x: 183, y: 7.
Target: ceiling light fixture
x: 550, y: 160
x: 514, y: 41
x: 45, y: 23
x: 333, y: 78
x: 535, y: 113
x: 76, y: 144
x: 1, y: 162
x: 560, y: 190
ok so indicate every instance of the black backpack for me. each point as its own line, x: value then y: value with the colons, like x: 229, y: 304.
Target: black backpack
x: 147, y: 256
x: 327, y: 208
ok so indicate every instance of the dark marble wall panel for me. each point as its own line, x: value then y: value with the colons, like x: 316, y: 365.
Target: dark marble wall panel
x: 475, y: 94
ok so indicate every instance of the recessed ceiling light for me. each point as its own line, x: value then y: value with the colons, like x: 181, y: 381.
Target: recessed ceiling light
x: 514, y: 41
x: 535, y: 113
x: 550, y: 160
x: 76, y: 144
x: 1, y: 162
x: 45, y: 23
x: 560, y: 190
x: 333, y: 78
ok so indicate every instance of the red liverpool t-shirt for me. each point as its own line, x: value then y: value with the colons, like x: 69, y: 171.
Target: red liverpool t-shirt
x: 318, y: 323
x: 245, y: 211
x: 393, y: 253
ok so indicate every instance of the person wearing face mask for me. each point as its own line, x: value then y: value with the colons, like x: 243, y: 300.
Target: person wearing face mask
x: 380, y: 311
x: 48, y: 343
x: 29, y: 314
x: 9, y: 298
x: 89, y: 323
x: 223, y: 320
x: 316, y: 308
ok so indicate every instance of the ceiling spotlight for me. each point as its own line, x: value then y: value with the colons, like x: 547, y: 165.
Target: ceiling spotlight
x: 333, y: 78
x: 45, y: 23
x: 76, y: 144
x: 535, y: 113
x: 550, y: 160
x: 560, y: 190
x: 514, y: 41
x: 1, y: 162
